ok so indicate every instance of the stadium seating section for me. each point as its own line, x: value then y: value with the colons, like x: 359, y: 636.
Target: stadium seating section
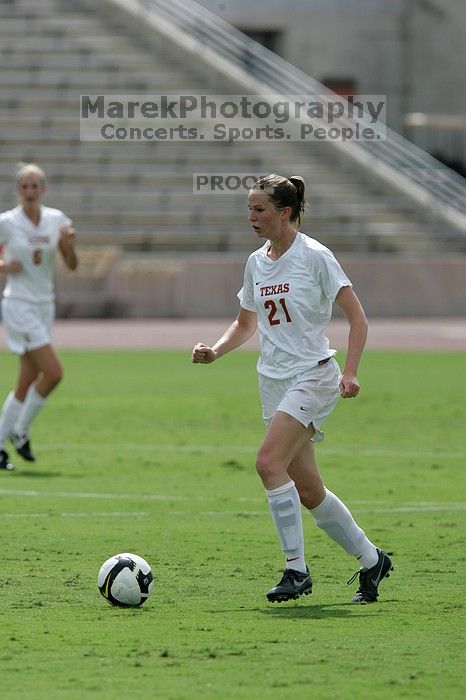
x: 139, y: 196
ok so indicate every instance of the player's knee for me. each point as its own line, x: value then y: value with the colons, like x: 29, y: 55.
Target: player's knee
x: 266, y: 466
x: 55, y: 376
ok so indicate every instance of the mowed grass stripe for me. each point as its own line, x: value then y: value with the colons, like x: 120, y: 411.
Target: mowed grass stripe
x: 227, y: 513
x: 229, y: 449
x: 411, y: 507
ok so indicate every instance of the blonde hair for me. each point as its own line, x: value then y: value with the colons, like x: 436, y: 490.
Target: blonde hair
x: 23, y: 169
x: 284, y: 192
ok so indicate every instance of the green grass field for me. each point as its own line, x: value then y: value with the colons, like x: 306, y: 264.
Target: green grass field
x: 144, y: 452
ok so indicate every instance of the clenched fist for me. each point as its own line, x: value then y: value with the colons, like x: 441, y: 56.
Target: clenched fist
x: 203, y: 354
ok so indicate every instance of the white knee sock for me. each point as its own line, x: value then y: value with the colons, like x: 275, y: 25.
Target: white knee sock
x: 334, y: 518
x: 10, y: 412
x: 31, y: 407
x: 285, y: 508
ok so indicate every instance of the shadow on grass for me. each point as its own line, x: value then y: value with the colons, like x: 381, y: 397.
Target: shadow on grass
x: 35, y: 474
x: 312, y: 612
x: 317, y: 611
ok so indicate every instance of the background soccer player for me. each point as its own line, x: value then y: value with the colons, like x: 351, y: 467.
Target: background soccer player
x: 30, y: 235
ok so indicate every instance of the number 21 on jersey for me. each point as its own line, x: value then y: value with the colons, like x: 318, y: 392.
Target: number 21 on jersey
x: 37, y: 256
x: 274, y: 320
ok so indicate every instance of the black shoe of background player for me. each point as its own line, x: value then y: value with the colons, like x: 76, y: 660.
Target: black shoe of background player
x: 5, y: 461
x: 291, y: 585
x: 22, y: 446
x: 369, y: 579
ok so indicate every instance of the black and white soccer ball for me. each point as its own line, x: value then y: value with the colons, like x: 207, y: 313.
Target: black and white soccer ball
x: 125, y: 580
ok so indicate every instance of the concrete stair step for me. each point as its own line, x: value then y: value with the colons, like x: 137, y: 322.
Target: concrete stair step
x: 26, y: 10
x: 109, y: 81
x: 62, y: 40
x: 61, y: 60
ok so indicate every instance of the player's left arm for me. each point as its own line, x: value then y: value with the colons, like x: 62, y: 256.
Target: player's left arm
x: 66, y: 246
x: 349, y: 303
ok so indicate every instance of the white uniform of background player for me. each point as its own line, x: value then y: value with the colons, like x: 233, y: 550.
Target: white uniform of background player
x: 30, y: 235
x: 289, y: 287
x: 28, y: 306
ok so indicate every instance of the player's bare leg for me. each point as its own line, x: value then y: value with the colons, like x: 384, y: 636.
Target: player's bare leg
x: 28, y: 374
x: 48, y: 367
x: 44, y: 363
x: 305, y: 474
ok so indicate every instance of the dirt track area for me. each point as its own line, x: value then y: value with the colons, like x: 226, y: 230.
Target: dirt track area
x: 384, y: 334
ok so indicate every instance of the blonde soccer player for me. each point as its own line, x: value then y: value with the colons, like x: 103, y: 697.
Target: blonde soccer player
x: 290, y: 284
x: 30, y: 235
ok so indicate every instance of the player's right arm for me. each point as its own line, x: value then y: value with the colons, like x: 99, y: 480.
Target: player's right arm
x: 12, y: 266
x: 242, y: 328
x: 9, y: 268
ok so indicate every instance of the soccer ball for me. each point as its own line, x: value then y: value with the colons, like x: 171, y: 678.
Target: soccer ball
x: 125, y: 580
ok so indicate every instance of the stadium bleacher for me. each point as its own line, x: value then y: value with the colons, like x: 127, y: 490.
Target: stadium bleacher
x: 139, y: 195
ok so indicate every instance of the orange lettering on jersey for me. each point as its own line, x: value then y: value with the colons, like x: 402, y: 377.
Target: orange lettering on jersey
x: 275, y: 289
x: 37, y: 240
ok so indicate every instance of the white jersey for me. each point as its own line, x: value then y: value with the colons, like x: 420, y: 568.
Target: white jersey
x: 34, y: 247
x: 293, y: 298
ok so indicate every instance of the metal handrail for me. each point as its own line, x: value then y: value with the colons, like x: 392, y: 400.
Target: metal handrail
x: 438, y: 182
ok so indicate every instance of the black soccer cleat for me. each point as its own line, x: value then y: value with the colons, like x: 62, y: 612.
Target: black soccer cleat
x: 291, y: 585
x: 22, y: 446
x: 369, y: 579
x: 5, y: 461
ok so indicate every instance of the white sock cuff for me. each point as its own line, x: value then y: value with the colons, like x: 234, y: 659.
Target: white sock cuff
x: 322, y: 510
x: 33, y: 395
x: 280, y: 489
x: 13, y: 401
x: 32, y: 405
x: 10, y: 411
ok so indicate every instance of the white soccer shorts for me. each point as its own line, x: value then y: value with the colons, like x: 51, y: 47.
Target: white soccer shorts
x: 28, y: 326
x: 309, y: 397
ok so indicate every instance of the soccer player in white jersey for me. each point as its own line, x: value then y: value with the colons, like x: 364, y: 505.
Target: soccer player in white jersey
x: 30, y: 235
x: 289, y: 286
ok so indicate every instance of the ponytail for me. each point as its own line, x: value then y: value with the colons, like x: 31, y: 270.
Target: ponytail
x: 284, y: 192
